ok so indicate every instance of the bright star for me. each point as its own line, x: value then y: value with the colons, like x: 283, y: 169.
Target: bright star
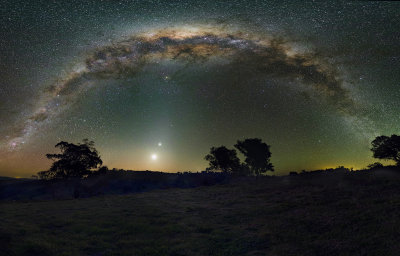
x: 153, y: 157
x: 159, y: 144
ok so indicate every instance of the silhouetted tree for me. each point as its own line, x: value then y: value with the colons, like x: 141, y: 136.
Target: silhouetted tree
x: 76, y: 160
x: 243, y: 170
x: 257, y: 155
x: 385, y: 147
x: 223, y: 159
x: 103, y: 170
x: 375, y: 165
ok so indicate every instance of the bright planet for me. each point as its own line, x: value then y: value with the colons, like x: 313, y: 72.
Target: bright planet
x: 309, y: 79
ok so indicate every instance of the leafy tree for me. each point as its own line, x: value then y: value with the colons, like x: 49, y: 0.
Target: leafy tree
x: 384, y: 147
x: 76, y: 160
x: 257, y: 155
x: 221, y: 158
x: 243, y: 170
x: 375, y: 165
x: 103, y: 170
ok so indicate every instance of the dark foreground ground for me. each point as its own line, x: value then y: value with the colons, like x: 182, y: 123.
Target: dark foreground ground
x: 322, y: 214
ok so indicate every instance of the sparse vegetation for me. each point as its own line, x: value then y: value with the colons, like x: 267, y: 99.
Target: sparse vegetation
x: 336, y: 211
x: 312, y: 213
x: 375, y: 165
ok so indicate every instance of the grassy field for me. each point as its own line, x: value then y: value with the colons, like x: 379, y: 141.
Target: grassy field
x: 329, y: 214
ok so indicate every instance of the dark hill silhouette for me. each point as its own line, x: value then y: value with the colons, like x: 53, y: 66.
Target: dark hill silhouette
x: 326, y: 212
x: 124, y: 182
x: 113, y: 182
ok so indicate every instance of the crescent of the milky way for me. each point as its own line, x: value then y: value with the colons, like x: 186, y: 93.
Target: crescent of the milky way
x: 268, y: 55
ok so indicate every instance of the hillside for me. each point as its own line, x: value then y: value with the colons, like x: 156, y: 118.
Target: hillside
x: 112, y: 183
x: 319, y: 214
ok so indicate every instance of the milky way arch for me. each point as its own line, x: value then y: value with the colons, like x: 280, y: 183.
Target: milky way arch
x: 269, y: 55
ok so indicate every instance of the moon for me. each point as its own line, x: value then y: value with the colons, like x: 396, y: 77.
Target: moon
x: 153, y: 157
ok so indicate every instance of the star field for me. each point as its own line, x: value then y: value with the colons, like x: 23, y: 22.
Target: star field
x: 316, y: 81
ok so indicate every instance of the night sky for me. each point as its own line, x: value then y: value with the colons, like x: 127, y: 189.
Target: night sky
x: 156, y: 83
